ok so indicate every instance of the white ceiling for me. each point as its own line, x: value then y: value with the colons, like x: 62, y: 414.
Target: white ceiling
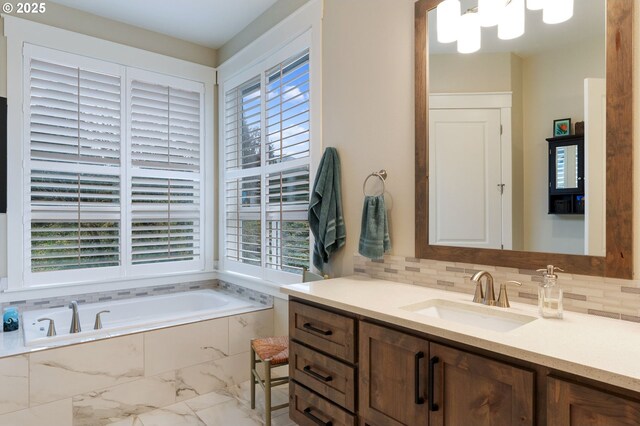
x: 587, y: 23
x: 209, y: 23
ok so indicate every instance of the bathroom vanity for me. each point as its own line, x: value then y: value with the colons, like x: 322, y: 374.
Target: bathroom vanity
x: 366, y: 351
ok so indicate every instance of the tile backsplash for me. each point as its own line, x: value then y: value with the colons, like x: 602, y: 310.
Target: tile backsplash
x: 607, y: 297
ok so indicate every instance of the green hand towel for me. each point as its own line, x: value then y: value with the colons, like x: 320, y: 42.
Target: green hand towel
x: 325, y: 209
x: 374, y: 234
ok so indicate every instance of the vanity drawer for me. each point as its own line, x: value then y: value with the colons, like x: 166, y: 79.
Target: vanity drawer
x: 330, y: 378
x: 308, y: 409
x: 323, y: 330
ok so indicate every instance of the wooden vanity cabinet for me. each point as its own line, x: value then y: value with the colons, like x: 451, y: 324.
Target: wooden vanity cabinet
x: 347, y: 369
x: 393, y: 377
x: 467, y: 389
x: 571, y: 404
x: 474, y: 390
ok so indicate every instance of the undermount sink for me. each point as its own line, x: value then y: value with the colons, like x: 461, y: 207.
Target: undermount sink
x: 473, y: 315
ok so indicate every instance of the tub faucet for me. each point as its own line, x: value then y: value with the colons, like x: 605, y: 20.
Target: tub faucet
x: 75, y: 319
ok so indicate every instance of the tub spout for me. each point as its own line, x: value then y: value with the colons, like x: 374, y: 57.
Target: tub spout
x: 75, y: 319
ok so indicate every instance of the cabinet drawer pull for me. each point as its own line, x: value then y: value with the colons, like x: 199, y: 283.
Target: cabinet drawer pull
x: 307, y: 369
x: 432, y: 367
x: 309, y: 327
x: 307, y: 413
x: 419, y: 399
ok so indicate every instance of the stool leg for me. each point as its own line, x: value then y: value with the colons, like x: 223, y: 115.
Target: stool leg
x: 267, y: 393
x: 253, y: 379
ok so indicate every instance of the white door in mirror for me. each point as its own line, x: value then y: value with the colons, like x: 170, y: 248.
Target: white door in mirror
x: 465, y: 182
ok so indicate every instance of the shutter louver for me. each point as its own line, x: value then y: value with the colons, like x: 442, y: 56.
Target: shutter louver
x: 287, y: 234
x: 165, y: 127
x: 287, y: 110
x: 166, y: 173
x: 242, y: 126
x: 75, y: 148
x: 74, y: 115
x: 165, y: 220
x: 243, y: 221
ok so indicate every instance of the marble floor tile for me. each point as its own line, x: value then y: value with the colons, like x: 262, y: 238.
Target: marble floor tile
x: 186, y: 345
x: 121, y: 402
x: 229, y: 413
x: 57, y: 413
x: 207, y: 377
x: 64, y: 372
x: 14, y: 380
x: 208, y: 400
x: 243, y: 328
x: 174, y: 415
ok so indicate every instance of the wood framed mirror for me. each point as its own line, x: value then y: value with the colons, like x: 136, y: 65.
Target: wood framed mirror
x: 617, y: 261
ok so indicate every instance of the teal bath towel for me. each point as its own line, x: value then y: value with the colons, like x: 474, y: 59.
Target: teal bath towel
x: 325, y: 209
x: 374, y: 235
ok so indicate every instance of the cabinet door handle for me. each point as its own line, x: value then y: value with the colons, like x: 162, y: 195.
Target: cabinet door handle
x: 307, y: 413
x: 432, y: 368
x: 419, y: 399
x: 307, y: 369
x: 309, y: 327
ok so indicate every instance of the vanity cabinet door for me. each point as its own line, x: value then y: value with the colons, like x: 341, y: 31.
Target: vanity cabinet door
x: 472, y: 390
x: 393, y: 377
x: 569, y: 404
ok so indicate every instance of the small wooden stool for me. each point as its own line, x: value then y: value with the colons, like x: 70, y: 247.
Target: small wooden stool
x: 271, y: 352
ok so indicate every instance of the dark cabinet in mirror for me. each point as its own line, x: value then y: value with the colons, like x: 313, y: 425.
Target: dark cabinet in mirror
x: 616, y: 257
x: 566, y: 175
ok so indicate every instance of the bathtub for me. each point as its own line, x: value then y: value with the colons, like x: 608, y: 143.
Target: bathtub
x: 132, y: 315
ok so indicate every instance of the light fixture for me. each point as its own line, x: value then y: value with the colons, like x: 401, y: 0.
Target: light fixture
x: 557, y: 11
x: 469, y: 33
x: 490, y: 12
x: 512, y: 21
x: 509, y: 15
x: 448, y: 15
x: 536, y: 4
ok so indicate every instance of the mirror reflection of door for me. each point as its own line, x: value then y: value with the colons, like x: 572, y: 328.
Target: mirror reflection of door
x: 469, y: 199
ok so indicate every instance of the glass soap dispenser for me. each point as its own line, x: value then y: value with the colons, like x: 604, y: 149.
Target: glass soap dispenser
x: 550, y: 294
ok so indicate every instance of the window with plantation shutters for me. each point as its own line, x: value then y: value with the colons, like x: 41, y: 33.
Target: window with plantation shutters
x: 114, y: 170
x: 267, y: 170
x: 74, y: 168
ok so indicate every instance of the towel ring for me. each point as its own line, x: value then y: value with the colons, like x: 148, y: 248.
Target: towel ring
x: 382, y: 175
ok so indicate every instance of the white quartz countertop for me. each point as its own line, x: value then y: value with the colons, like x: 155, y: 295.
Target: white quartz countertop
x: 601, y: 349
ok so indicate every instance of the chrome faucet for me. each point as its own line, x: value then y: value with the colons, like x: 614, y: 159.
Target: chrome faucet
x: 75, y: 319
x: 487, y: 297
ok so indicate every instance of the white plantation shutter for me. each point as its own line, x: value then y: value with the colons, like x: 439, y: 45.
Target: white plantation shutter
x: 114, y: 173
x: 166, y: 170
x: 165, y: 127
x: 74, y: 167
x: 267, y: 148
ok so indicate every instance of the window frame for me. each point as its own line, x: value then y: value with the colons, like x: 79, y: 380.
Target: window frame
x: 279, y: 46
x: 20, y: 33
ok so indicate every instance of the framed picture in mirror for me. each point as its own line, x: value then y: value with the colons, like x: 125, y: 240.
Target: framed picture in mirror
x: 562, y: 127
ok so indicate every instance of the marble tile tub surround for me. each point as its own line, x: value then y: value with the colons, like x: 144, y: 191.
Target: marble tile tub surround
x: 122, y: 378
x: 606, y: 297
x: 58, y: 302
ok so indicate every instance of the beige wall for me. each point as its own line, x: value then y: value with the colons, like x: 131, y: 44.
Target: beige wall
x: 450, y: 73
x: 551, y: 92
x: 368, y: 110
x: 84, y: 23
x: 517, y: 152
x: 259, y: 26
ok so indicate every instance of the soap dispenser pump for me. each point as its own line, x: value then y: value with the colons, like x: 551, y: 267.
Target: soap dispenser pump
x: 550, y: 294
